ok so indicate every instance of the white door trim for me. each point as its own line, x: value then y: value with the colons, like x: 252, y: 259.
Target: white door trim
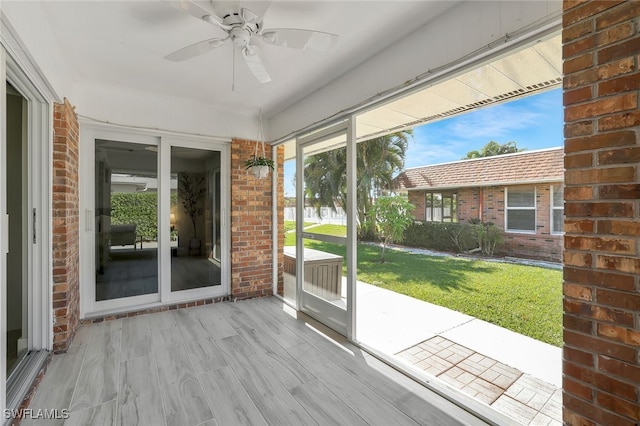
x: 40, y: 160
x: 19, y: 68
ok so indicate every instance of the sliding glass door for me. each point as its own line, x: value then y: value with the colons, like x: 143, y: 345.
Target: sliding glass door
x: 195, y: 214
x: 156, y: 222
x: 126, y: 232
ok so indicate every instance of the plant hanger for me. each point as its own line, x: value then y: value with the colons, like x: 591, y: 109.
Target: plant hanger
x: 260, y: 164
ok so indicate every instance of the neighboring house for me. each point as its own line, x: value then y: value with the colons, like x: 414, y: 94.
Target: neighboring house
x: 521, y: 193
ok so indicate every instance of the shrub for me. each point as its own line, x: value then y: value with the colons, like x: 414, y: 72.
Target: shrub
x: 431, y: 235
x: 140, y: 208
x: 454, y: 237
x: 392, y: 216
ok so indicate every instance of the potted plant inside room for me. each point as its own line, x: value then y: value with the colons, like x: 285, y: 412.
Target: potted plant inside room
x: 192, y: 191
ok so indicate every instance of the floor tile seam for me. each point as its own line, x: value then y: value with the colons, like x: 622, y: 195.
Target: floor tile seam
x: 162, y: 398
x: 195, y: 373
x: 83, y: 367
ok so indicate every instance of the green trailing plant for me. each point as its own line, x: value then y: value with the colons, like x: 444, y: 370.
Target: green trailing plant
x: 259, y: 161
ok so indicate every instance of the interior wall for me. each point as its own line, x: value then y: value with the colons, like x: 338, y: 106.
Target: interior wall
x: 117, y: 104
x: 458, y: 32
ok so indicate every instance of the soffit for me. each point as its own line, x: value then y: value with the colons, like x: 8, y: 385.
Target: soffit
x: 520, y: 73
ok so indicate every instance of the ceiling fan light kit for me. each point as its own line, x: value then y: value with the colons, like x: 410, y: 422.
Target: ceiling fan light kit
x: 241, y: 27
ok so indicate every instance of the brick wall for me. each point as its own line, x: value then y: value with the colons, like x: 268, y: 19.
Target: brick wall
x: 417, y: 199
x: 65, y: 232
x: 469, y: 203
x: 281, y: 220
x: 251, y: 216
x: 542, y: 245
x: 602, y: 268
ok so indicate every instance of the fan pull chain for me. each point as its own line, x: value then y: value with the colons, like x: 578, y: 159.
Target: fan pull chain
x: 233, y: 69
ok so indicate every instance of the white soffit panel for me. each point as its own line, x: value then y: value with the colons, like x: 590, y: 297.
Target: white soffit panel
x: 519, y: 74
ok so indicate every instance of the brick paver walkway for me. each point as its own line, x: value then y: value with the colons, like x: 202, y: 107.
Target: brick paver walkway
x: 521, y: 396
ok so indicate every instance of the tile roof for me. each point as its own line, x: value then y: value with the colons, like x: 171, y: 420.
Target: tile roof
x: 545, y: 165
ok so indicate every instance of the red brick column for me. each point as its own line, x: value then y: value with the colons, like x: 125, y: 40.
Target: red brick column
x: 281, y: 233
x: 65, y: 235
x: 602, y: 268
x: 251, y: 230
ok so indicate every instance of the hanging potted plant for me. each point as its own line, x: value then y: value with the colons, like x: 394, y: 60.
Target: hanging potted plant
x: 259, y: 164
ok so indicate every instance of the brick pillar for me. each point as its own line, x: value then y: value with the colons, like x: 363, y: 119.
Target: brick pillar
x: 281, y: 233
x: 65, y: 233
x: 602, y: 229
x: 251, y: 230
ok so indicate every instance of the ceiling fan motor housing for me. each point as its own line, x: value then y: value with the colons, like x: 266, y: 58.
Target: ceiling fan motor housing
x: 240, y: 36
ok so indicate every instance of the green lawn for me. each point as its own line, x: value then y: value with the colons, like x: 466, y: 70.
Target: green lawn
x: 524, y: 299
x: 290, y: 225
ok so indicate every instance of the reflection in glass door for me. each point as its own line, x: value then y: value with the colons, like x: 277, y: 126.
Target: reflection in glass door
x: 195, y: 205
x: 17, y: 210
x: 126, y: 206
x: 214, y: 194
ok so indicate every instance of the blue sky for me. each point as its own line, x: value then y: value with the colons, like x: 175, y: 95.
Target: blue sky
x: 534, y: 122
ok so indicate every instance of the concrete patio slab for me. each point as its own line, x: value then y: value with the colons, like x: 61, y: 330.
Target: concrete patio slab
x: 391, y: 322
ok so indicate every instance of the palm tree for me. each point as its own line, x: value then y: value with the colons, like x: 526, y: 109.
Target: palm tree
x: 379, y: 160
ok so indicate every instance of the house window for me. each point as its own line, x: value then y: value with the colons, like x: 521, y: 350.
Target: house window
x: 557, y: 209
x: 441, y: 207
x: 521, y: 209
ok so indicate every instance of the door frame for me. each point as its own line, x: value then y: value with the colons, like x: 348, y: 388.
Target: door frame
x: 89, y: 132
x: 18, y: 68
x: 342, y: 321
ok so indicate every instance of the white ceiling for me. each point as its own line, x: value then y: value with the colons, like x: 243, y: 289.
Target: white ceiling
x: 123, y: 43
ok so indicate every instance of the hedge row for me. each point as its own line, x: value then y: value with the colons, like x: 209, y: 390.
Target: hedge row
x: 140, y: 208
x: 453, y: 237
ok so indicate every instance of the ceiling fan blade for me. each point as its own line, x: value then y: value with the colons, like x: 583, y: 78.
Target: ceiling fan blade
x: 199, y: 12
x: 195, y: 49
x: 300, y: 39
x: 255, y: 64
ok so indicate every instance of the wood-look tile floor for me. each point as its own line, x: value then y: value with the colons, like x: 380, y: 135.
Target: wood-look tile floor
x: 243, y: 363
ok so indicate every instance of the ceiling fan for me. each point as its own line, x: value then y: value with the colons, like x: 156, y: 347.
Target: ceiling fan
x: 243, y: 26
